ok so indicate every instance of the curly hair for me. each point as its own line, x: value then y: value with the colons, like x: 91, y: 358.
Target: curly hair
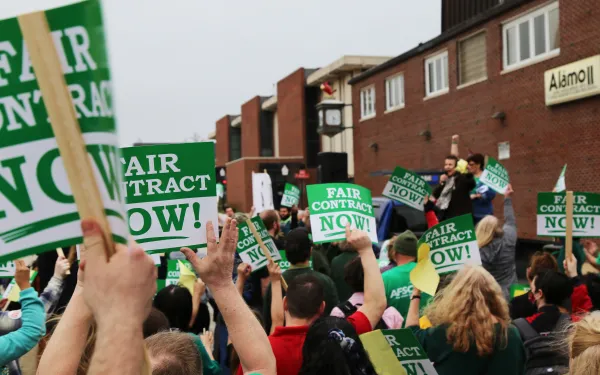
x: 469, y: 307
x: 584, y: 346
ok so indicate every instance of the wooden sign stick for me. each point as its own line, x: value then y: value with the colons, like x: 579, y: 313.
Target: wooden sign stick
x: 61, y: 253
x: 264, y: 249
x: 569, y: 226
x: 65, y: 126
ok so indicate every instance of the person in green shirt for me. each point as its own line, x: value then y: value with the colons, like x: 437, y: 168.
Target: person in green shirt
x: 338, y: 266
x: 398, y: 287
x: 471, y: 332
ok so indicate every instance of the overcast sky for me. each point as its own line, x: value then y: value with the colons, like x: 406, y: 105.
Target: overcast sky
x: 180, y: 65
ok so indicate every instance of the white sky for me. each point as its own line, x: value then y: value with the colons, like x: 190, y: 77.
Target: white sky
x: 180, y: 65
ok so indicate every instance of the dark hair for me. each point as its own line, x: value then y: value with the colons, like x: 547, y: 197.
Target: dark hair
x: 477, y: 159
x: 176, y: 303
x: 540, y: 261
x: 269, y: 218
x: 354, y: 275
x: 593, y: 287
x: 298, y: 246
x: 174, y: 353
x: 304, y: 296
x: 556, y: 286
x: 155, y: 322
x: 452, y: 157
x: 284, y: 207
x: 332, y: 347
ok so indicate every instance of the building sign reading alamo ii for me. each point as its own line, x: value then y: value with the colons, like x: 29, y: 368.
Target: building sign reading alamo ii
x: 573, y: 81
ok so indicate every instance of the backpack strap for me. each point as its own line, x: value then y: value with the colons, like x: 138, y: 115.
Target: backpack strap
x: 347, y: 308
x: 525, y: 329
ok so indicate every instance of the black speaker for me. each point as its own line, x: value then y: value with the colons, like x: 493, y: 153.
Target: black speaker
x: 333, y: 167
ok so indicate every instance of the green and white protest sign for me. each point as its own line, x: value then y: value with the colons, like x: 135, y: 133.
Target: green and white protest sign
x: 332, y: 206
x: 551, y: 214
x: 37, y: 209
x: 249, y: 249
x: 407, y: 187
x: 284, y: 263
x: 517, y: 290
x: 495, y: 175
x: 453, y: 244
x: 171, y: 194
x: 409, y: 351
x: 7, y: 269
x: 291, y: 195
x: 174, y: 272
x: 561, y: 184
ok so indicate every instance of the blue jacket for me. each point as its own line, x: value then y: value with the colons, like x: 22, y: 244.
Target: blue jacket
x: 18, y: 343
x: 483, y: 206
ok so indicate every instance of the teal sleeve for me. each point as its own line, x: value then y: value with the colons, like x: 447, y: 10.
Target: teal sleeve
x: 209, y: 366
x: 16, y: 344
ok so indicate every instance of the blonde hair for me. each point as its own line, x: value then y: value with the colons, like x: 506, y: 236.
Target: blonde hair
x: 469, y: 307
x: 487, y: 229
x: 584, y: 346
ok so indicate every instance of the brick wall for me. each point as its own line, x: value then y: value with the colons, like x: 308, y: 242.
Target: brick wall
x: 291, y: 114
x: 542, y: 139
x: 251, y: 127
x: 222, y: 138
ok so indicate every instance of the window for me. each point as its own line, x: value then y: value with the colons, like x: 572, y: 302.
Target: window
x: 235, y: 143
x: 266, y: 134
x: 532, y: 37
x: 394, y: 92
x: 436, y: 74
x: 367, y: 102
x: 472, y: 64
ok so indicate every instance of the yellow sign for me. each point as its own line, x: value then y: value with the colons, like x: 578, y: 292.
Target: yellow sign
x: 424, y: 276
x: 186, y: 277
x: 574, y: 81
x: 381, y: 354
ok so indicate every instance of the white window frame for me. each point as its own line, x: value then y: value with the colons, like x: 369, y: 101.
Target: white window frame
x: 364, y: 102
x: 529, y: 17
x: 389, y: 106
x: 431, y: 60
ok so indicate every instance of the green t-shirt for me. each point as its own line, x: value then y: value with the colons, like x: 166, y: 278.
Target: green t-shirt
x: 398, y: 288
x: 474, y: 191
x: 209, y: 367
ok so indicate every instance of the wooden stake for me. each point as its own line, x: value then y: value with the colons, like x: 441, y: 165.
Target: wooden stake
x: 61, y: 253
x: 264, y: 249
x: 569, y: 226
x: 63, y: 119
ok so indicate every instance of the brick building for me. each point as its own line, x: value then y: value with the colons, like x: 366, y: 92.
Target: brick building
x: 281, y: 130
x: 483, y: 78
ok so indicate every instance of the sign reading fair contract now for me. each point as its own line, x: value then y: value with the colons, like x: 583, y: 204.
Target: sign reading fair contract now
x: 409, y: 351
x: 453, y: 244
x: 333, y: 206
x: 495, y: 176
x: 573, y: 81
x: 249, y: 249
x: 407, y: 187
x: 171, y: 194
x: 552, y: 218
x: 37, y: 208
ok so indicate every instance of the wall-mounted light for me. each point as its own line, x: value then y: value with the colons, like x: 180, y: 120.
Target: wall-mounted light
x: 499, y: 116
x: 374, y: 146
x: 285, y: 171
x: 426, y: 134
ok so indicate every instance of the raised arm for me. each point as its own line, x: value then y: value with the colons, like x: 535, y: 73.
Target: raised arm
x: 510, y: 222
x: 247, y: 335
x: 53, y: 291
x: 199, y: 290
x: 277, y: 315
x: 375, y: 300
x: 412, y: 317
x: 454, y: 147
x: 243, y: 272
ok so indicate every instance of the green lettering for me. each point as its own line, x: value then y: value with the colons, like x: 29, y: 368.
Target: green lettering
x: 109, y: 177
x: 361, y: 222
x: 173, y: 221
x: 44, y: 176
x: 326, y: 221
x: 146, y: 218
x: 17, y: 195
x: 255, y: 255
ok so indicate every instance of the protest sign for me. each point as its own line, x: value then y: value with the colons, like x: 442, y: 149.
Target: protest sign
x: 407, y: 187
x: 332, y: 206
x: 249, y: 248
x: 517, y: 290
x: 551, y: 214
x: 37, y: 209
x: 381, y: 355
x: 495, y: 175
x: 7, y: 269
x: 452, y: 244
x: 409, y: 351
x: 561, y: 184
x: 174, y: 270
x: 284, y: 263
x: 12, y: 290
x: 291, y: 195
x: 170, y: 195
x: 262, y: 192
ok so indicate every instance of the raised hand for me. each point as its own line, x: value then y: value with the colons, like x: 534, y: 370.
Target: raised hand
x: 22, y: 275
x: 61, y: 267
x: 274, y: 271
x: 358, y: 239
x: 244, y: 270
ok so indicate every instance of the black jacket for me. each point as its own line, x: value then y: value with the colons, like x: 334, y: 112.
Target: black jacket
x: 460, y: 201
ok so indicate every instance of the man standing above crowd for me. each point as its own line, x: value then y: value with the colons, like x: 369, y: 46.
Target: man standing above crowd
x: 289, y: 219
x: 482, y: 196
x: 453, y: 195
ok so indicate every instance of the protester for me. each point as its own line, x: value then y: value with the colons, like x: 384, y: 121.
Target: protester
x: 388, y: 249
x: 584, y: 346
x: 498, y: 244
x: 338, y: 273
x: 482, y: 196
x: 398, y: 287
x: 453, y: 196
x: 11, y: 321
x: 471, y: 332
x: 15, y: 344
x: 155, y: 322
x: 592, y: 254
x: 173, y: 353
x: 289, y: 219
x: 272, y: 223
x: 298, y: 247
x: 354, y: 276
x: 176, y: 303
x: 332, y: 347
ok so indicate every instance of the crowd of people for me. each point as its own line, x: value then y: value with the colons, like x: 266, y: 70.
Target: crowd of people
x: 113, y: 321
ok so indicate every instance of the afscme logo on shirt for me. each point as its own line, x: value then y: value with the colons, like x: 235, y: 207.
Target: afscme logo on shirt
x: 403, y: 292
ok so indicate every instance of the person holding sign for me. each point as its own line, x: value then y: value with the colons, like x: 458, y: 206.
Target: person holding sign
x: 482, y: 196
x: 498, y: 244
x: 471, y: 332
x: 17, y: 343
